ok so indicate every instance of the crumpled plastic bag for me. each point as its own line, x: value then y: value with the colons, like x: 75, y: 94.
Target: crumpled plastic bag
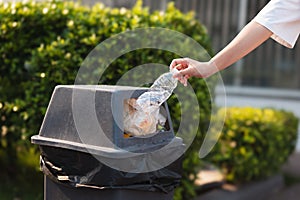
x: 141, y: 122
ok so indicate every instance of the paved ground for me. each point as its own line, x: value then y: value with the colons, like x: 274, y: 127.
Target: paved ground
x: 293, y: 165
x: 274, y: 188
x: 292, y: 192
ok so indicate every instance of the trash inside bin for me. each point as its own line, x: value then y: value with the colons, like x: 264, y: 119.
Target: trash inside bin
x: 142, y: 115
x: 75, y: 157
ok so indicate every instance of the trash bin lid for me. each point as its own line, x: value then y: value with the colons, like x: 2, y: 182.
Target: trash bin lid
x: 71, y: 119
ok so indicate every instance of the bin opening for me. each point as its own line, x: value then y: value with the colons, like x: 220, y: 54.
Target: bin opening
x: 138, y: 123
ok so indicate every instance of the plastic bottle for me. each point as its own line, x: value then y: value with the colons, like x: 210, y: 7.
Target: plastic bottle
x: 146, y: 116
x: 159, y: 92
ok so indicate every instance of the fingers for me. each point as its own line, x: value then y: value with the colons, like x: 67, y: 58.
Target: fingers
x: 183, y: 81
x: 181, y: 70
x: 181, y: 73
x: 180, y: 76
x: 179, y: 61
x: 179, y: 67
x: 174, y: 63
x: 187, y: 68
x: 176, y: 72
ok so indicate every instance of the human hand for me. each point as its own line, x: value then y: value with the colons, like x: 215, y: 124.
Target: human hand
x: 179, y: 77
x: 188, y: 67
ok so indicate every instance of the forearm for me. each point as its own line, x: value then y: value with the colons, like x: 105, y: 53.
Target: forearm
x: 250, y: 37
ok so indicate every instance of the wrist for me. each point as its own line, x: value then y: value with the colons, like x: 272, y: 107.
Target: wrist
x: 212, y: 67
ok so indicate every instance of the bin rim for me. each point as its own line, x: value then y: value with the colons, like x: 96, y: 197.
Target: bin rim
x: 102, y: 87
x: 96, y: 150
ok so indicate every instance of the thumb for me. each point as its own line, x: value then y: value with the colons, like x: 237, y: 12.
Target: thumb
x: 181, y: 73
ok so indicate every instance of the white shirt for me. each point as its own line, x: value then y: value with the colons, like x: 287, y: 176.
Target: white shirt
x: 282, y: 17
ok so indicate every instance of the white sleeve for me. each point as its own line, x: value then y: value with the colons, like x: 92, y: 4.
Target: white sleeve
x: 282, y: 17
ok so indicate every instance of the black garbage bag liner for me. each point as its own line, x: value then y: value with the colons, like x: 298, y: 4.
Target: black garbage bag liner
x: 77, y: 169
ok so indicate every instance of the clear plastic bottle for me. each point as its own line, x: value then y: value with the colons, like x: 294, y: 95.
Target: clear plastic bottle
x: 159, y: 92
x: 146, y: 117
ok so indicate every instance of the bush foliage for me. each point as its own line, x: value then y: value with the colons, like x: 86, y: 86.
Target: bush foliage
x: 43, y: 45
x: 254, y: 143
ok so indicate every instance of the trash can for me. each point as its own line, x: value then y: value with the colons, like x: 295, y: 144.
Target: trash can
x: 85, y: 153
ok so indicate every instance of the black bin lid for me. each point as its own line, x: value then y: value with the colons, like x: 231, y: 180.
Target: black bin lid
x: 98, y: 109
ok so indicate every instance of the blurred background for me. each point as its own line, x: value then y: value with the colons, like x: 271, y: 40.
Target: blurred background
x: 267, y: 78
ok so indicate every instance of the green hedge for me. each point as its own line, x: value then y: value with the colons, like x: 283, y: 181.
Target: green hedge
x: 43, y: 45
x: 254, y: 143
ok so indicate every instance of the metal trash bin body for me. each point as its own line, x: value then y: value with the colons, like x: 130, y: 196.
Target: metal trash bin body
x: 73, y: 165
